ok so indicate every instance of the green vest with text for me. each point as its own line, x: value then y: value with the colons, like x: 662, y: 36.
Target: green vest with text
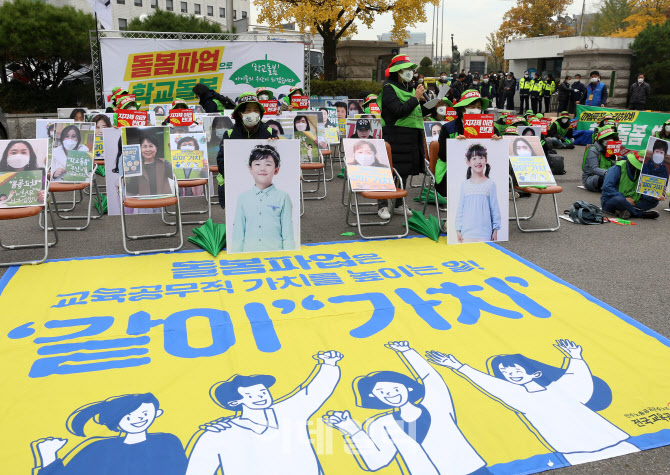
x: 627, y: 187
x: 414, y: 120
x: 603, y: 162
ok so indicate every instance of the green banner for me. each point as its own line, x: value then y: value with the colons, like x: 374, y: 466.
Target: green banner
x: 635, y: 127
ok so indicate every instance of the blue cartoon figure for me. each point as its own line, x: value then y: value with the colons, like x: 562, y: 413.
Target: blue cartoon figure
x: 419, y: 428
x: 136, y: 453
x: 558, y: 404
x: 268, y: 436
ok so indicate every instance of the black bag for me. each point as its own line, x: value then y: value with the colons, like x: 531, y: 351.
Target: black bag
x: 556, y: 163
x: 585, y: 213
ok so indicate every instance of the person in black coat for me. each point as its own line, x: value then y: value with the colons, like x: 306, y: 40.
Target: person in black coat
x: 578, y: 94
x: 564, y: 94
x: 509, y: 89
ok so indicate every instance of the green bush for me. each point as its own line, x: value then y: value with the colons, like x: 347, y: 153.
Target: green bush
x: 350, y: 88
x: 660, y: 102
x: 16, y: 98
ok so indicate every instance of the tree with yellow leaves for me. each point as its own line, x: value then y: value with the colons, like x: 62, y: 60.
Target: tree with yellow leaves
x: 333, y: 19
x: 645, y: 12
x: 530, y: 18
x: 495, y: 49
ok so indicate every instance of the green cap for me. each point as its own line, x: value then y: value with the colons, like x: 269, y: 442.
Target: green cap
x: 634, y: 160
x: 511, y: 130
x: 605, y: 132
x: 563, y: 114
x: 245, y: 98
x: 470, y: 96
x: 400, y: 61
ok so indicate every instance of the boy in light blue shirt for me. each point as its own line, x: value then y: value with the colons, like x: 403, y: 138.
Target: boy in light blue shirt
x: 264, y: 214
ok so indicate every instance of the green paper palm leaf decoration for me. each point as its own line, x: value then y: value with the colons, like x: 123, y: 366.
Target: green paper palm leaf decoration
x: 210, y: 236
x: 427, y: 226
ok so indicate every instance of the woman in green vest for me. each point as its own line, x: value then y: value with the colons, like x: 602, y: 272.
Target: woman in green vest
x: 595, y: 164
x: 560, y: 133
x: 620, y: 194
x: 664, y: 133
x: 402, y: 123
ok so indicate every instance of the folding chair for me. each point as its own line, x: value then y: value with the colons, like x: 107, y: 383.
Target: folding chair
x: 140, y: 203
x: 328, y: 154
x: 320, y: 177
x: 213, y: 171
x: 380, y: 195
x: 191, y: 184
x: 430, y: 173
x: 552, y: 190
x: 26, y: 212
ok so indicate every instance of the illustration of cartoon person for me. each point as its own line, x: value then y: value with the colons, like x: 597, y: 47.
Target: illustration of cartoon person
x: 4, y: 199
x: 559, y: 404
x: 138, y: 453
x: 268, y: 436
x: 420, y: 428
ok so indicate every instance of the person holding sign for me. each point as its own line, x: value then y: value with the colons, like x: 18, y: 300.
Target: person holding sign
x: 620, y: 194
x: 248, y: 125
x: 478, y: 215
x: 370, y: 104
x: 595, y: 163
x: 285, y: 102
x: 402, y: 122
x: 70, y: 139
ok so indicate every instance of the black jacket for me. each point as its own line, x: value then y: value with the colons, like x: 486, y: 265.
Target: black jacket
x: 509, y: 87
x: 564, y: 91
x: 407, y: 143
x: 580, y: 93
x: 639, y: 93
x: 240, y: 132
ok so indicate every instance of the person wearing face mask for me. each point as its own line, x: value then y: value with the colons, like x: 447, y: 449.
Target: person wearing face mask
x: 486, y: 89
x: 475, y: 83
x: 639, y: 93
x: 509, y: 89
x: 219, y: 127
x: 443, y: 80
x: 211, y: 100
x: 70, y: 139
x: 285, y: 101
x: 596, y: 91
x: 300, y: 123
x: 458, y: 87
x: 369, y: 99
x: 560, y: 133
x: 620, y: 194
x: 595, y: 164
x: 248, y: 125
x: 468, y: 80
x: 524, y: 92
x: 564, y: 93
x: 664, y: 133
x: 439, y: 112
x: 578, y: 94
x: 264, y: 94
x: 608, y: 121
x: 127, y: 103
x: 549, y: 89
x: 18, y: 156
x: 402, y: 122
x: 536, y: 92
x: 116, y: 94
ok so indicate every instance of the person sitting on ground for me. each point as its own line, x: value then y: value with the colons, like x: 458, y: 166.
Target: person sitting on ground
x: 595, y: 164
x: 608, y: 120
x: 620, y: 194
x: 560, y: 133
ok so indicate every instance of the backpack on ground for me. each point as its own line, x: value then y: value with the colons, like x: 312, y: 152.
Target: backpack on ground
x: 556, y: 163
x: 585, y: 213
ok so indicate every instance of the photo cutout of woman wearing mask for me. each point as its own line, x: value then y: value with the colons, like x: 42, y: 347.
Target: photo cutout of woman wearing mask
x: 365, y: 155
x: 301, y: 123
x: 432, y: 130
x: 69, y: 139
x: 19, y: 156
x: 219, y: 127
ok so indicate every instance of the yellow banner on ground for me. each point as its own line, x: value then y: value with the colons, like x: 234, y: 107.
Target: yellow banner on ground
x: 401, y: 356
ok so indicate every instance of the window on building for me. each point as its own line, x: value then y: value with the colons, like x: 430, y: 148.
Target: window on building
x: 244, y: 14
x: 168, y: 5
x: 222, y: 12
x: 184, y: 7
x: 210, y: 10
x: 196, y: 7
x: 154, y: 3
x: 121, y: 2
x: 138, y: 3
x: 123, y: 24
x: 234, y: 14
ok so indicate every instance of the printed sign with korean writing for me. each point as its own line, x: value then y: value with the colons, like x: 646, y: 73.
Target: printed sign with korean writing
x: 653, y: 179
x: 22, y: 188
x: 122, y: 374
x: 78, y: 166
x: 271, y: 107
x: 478, y: 125
x: 181, y: 117
x: 613, y: 148
x: 368, y: 167
x: 331, y: 134
x: 509, y: 120
x: 300, y: 102
x: 188, y: 156
x: 129, y: 118
x: 132, y: 160
x: 529, y: 162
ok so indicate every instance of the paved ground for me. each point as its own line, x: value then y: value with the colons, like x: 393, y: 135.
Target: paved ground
x: 625, y: 266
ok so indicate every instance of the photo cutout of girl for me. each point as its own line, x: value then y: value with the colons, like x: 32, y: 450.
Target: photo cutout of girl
x: 477, y: 185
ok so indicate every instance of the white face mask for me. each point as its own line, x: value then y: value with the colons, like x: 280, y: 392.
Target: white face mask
x: 18, y: 161
x: 443, y: 78
x: 667, y: 128
x: 658, y: 158
x: 524, y: 153
x: 435, y: 133
x: 69, y: 144
x: 594, y: 80
x: 301, y: 126
x: 131, y: 108
x: 187, y: 147
x: 442, y: 110
x: 473, y: 111
x: 251, y: 118
x: 406, y: 75
x: 640, y: 80
x: 365, y: 158
x: 475, y: 82
x: 485, y: 80
x: 525, y: 75
x: 219, y: 132
x: 420, y: 80
x: 263, y: 97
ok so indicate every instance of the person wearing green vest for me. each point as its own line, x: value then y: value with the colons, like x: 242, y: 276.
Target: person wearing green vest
x: 560, y: 133
x: 248, y: 125
x: 369, y: 99
x: 529, y: 115
x: 210, y: 100
x: 285, y: 102
x: 664, y: 133
x: 620, y: 194
x: 501, y: 124
x: 524, y: 92
x: 402, y: 123
x: 608, y: 120
x: 595, y: 164
x: 536, y: 91
x: 549, y: 89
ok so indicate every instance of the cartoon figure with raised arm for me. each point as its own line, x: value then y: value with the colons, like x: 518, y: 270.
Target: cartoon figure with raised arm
x: 560, y: 404
x: 269, y: 436
x: 137, y: 453
x: 420, y: 430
